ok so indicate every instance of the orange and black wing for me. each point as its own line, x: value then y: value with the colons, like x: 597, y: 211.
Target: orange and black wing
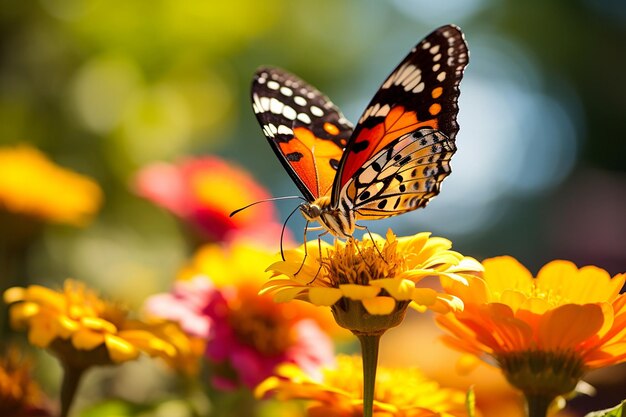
x: 400, y: 149
x: 306, y: 130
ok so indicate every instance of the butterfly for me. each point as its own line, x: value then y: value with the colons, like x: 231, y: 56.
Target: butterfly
x: 396, y: 157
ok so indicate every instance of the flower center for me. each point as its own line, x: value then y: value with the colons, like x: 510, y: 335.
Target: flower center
x: 362, y: 262
x: 267, y: 333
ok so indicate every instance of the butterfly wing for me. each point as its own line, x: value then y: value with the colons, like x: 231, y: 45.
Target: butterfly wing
x: 306, y: 130
x: 412, y: 117
x: 401, y: 177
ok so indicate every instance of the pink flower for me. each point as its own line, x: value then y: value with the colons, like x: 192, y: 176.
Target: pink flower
x: 202, y: 192
x: 247, y: 335
x: 187, y: 304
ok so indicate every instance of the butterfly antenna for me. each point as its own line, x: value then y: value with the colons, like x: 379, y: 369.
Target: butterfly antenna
x: 282, y: 232
x: 289, y: 197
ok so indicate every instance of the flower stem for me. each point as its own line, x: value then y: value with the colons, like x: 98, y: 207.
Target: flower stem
x: 71, y: 378
x: 538, y: 405
x: 369, y: 352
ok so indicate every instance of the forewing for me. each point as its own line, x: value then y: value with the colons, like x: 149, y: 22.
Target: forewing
x: 401, y: 177
x: 306, y: 130
x: 422, y: 92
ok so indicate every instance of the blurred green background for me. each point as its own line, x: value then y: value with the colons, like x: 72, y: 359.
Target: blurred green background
x: 105, y: 87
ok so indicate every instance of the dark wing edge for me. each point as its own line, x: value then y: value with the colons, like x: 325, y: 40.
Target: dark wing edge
x: 283, y: 102
x: 447, y: 44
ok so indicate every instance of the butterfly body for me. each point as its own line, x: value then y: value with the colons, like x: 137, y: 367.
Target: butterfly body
x: 396, y: 157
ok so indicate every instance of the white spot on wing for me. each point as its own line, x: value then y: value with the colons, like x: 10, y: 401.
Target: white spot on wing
x: 276, y: 106
x: 441, y: 76
x: 434, y: 49
x: 300, y: 101
x: 304, y: 118
x: 273, y: 85
x: 289, y: 113
x: 316, y: 111
x: 286, y: 91
x: 384, y: 110
x: 419, y: 88
x: 284, y: 130
x: 265, y: 103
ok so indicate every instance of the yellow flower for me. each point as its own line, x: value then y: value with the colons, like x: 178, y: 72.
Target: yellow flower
x: 375, y: 277
x: 19, y: 394
x: 32, y: 185
x: 544, y: 332
x: 402, y: 392
x: 84, y: 330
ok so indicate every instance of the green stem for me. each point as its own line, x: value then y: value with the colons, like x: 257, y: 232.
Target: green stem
x: 71, y: 380
x: 369, y: 352
x: 538, y: 405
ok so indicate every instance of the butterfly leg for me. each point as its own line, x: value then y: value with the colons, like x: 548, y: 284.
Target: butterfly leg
x: 319, y: 247
x: 358, y: 226
x: 306, y: 252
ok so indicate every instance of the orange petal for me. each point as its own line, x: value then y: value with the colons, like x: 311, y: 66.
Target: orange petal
x: 567, y: 326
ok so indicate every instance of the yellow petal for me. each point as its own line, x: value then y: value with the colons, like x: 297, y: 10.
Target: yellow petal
x: 42, y: 332
x: 13, y: 295
x: 324, y: 296
x: 85, y: 339
x: 283, y: 295
x: 513, y: 299
x: 21, y: 314
x: 424, y: 296
x: 119, y: 349
x: 400, y: 289
x: 305, y: 272
x: 67, y: 326
x: 536, y: 305
x: 358, y: 292
x: 379, y: 305
x: 98, y: 324
x: 45, y: 297
x: 504, y: 273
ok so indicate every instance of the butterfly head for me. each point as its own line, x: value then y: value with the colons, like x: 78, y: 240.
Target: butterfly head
x: 338, y: 221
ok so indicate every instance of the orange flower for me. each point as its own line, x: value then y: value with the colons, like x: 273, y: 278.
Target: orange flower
x: 544, y: 332
x: 19, y: 394
x: 32, y: 185
x: 402, y: 392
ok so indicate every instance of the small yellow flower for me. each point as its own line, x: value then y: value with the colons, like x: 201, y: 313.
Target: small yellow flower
x: 32, y: 185
x: 544, y: 332
x: 84, y: 330
x: 19, y: 394
x: 375, y: 277
x: 402, y: 392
